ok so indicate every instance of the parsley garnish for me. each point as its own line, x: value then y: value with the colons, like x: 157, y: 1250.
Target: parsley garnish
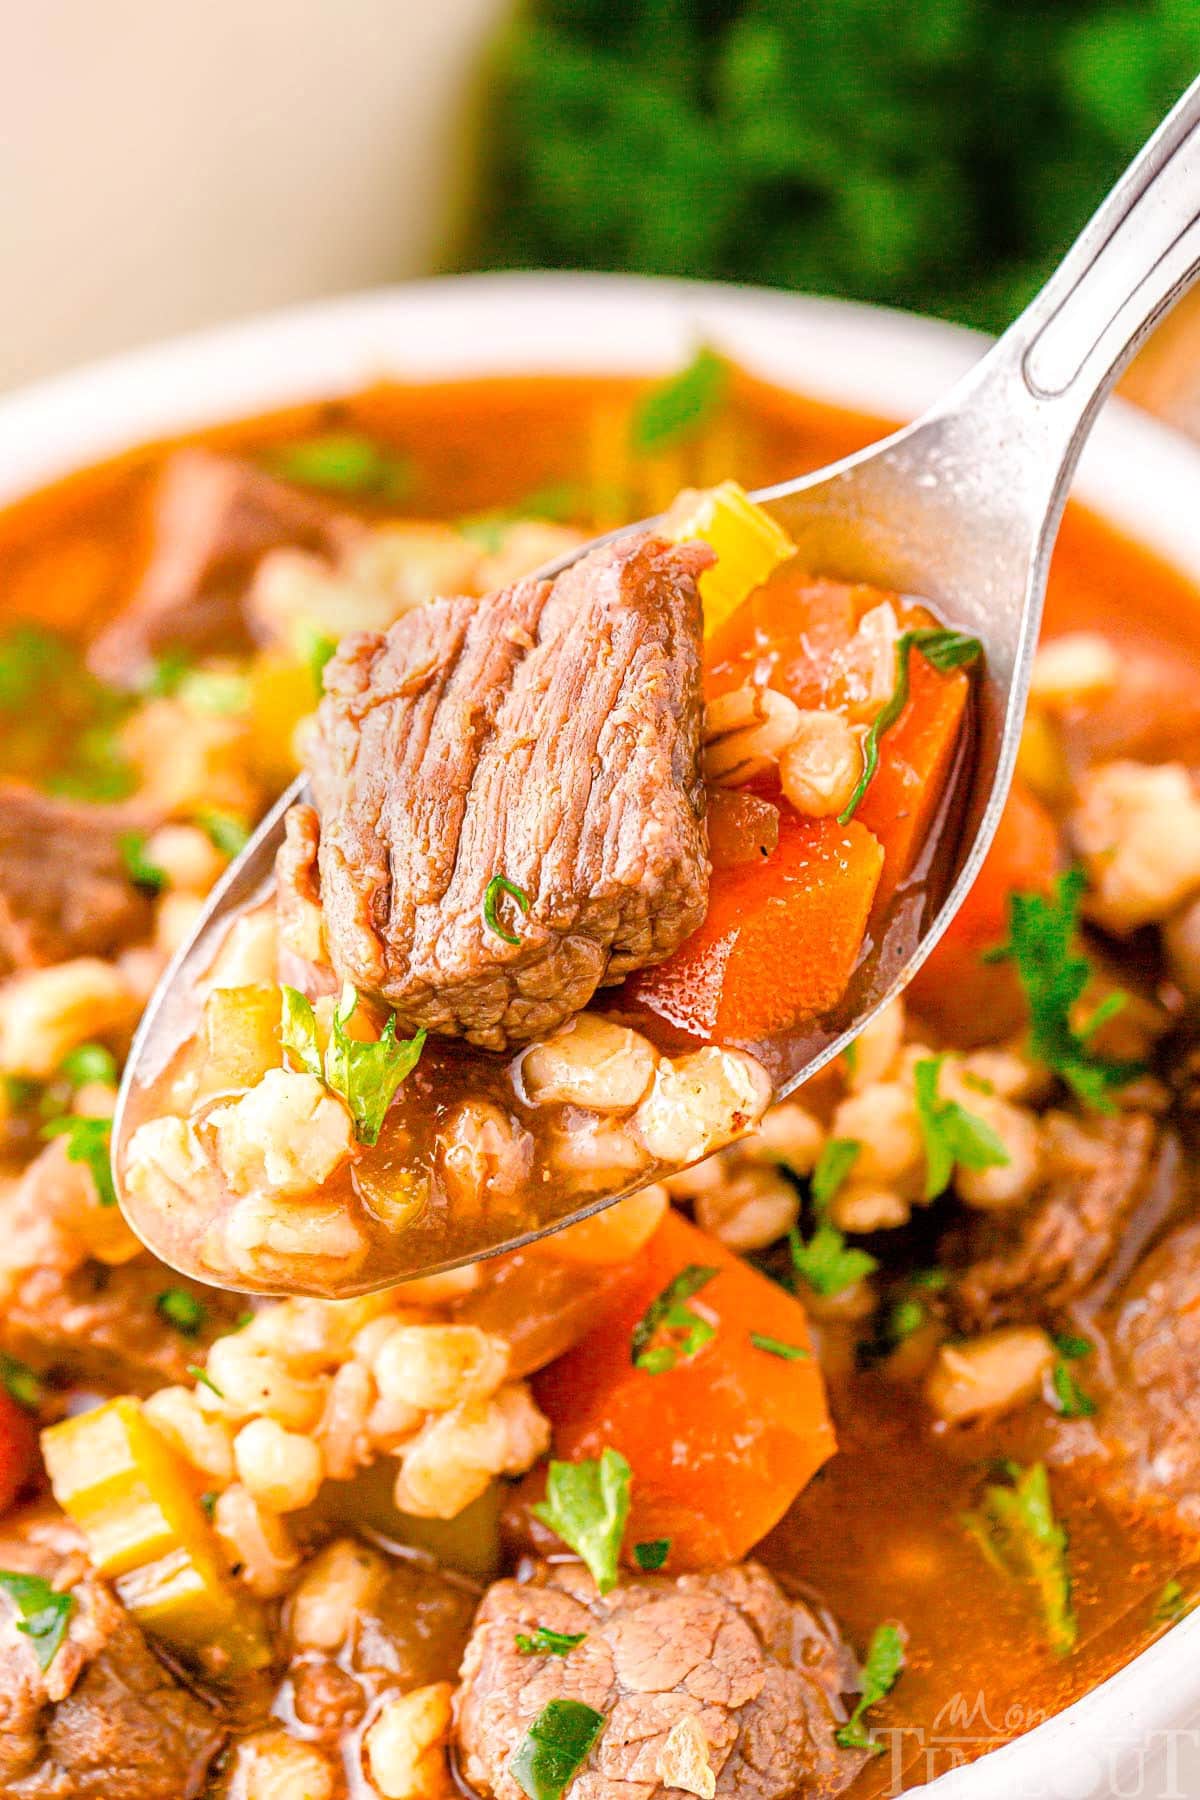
x: 203, y: 1376
x: 1170, y: 1606
x: 677, y: 408
x: 554, y: 1748
x: 1017, y: 1531
x: 826, y: 1263
x: 367, y: 1075
x: 298, y: 1030
x: 140, y: 870
x: 318, y: 650
x: 89, y: 1062
x: 44, y: 1613
x: 500, y: 884
x: 162, y: 676
x: 776, y: 1347
x: 19, y: 1382
x: 950, y: 1133
x: 88, y: 1141
x: 669, y: 1317
x: 343, y: 462
x: 1041, y: 942
x: 229, y: 832
x: 652, y: 1554
x: 587, y: 1504
x: 544, y: 1642
x: 838, y: 1156
x: 1070, y: 1398
x: 182, y: 1310
x: 222, y: 693
x: 884, y: 1661
x: 943, y: 650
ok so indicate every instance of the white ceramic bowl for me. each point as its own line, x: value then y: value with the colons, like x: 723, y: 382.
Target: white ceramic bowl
x: 1134, y: 1735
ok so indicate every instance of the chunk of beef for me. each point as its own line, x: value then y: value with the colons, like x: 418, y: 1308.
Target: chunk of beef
x: 302, y: 957
x: 66, y: 1312
x: 1149, y: 1423
x: 722, y: 1663
x: 548, y: 734
x: 106, y: 1717
x: 64, y: 887
x: 213, y: 518
x: 1109, y: 1184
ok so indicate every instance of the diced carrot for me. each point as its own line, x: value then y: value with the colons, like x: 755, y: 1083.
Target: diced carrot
x: 785, y: 635
x: 18, y: 1450
x: 971, y: 1001
x: 915, y: 760
x: 779, y: 942
x: 722, y: 1442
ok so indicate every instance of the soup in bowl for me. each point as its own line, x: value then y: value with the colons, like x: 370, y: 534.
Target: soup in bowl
x: 754, y: 1480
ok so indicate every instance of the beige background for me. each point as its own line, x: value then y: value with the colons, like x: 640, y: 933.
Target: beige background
x: 169, y: 163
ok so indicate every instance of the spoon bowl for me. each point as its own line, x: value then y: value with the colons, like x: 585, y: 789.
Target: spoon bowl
x: 960, y: 509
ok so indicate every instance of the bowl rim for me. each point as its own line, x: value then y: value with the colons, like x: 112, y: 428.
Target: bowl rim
x: 1139, y: 474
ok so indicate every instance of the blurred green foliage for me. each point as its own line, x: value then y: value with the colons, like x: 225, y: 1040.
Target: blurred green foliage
x: 935, y: 154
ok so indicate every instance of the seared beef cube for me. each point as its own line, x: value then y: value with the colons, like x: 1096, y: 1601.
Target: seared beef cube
x: 547, y: 734
x: 64, y: 887
x: 1149, y: 1425
x: 719, y: 1668
x: 213, y: 518
x: 105, y: 1718
x: 1109, y: 1184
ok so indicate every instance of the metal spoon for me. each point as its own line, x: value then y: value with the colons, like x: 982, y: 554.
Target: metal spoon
x: 961, y: 508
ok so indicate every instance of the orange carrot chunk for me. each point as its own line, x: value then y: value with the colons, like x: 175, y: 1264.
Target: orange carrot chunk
x: 915, y: 760
x: 780, y: 941
x: 968, y: 1000
x: 721, y: 1436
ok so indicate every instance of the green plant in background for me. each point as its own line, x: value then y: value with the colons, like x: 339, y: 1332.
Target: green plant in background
x: 935, y: 154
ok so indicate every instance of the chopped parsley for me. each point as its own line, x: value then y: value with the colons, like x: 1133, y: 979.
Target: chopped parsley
x: 44, y: 1613
x: 298, y: 1031
x: 1070, y: 1399
x: 544, y: 1642
x: 367, y: 1075
x: 826, y: 1263
x: 884, y: 1661
x: 1170, y: 1605
x: 555, y: 1748
x: 676, y: 409
x: 164, y: 675
x: 319, y: 649
x: 229, y: 832
x: 669, y: 1328
x: 559, y: 502
x: 205, y: 1379
x: 182, y: 1310
x: 343, y: 462
x: 89, y: 1062
x: 89, y: 1141
x: 951, y: 1135
x: 944, y: 651
x: 1016, y: 1528
x: 652, y: 1554
x: 221, y: 693
x: 1042, y: 945
x: 141, y: 871
x: 500, y: 884
x: 587, y: 1505
x: 19, y: 1382
x: 776, y: 1347
x: 838, y: 1157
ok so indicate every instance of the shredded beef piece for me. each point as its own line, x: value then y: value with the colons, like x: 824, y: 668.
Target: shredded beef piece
x: 759, y: 1674
x: 64, y: 887
x: 65, y: 1313
x: 548, y: 734
x: 105, y: 1718
x: 1149, y: 1423
x: 1109, y: 1184
x: 213, y: 518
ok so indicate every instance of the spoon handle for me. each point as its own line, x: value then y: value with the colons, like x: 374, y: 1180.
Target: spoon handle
x: 1135, y: 257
